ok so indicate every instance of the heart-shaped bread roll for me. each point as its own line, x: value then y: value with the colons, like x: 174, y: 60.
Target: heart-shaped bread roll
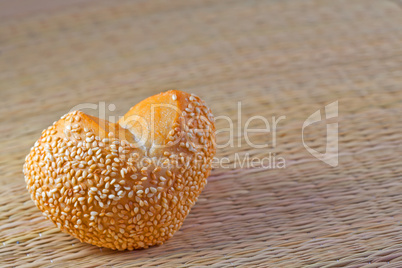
x: 124, y: 185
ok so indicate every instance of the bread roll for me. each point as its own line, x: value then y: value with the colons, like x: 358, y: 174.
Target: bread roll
x: 124, y: 185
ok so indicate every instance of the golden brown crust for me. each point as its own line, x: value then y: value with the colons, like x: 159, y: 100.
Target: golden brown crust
x: 104, y: 184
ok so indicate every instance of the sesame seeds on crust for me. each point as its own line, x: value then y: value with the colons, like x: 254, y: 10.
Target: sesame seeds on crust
x: 96, y: 182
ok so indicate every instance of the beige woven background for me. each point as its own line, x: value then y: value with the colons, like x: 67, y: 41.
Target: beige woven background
x: 278, y: 57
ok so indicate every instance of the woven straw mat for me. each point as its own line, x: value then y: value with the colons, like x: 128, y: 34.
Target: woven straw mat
x: 244, y: 58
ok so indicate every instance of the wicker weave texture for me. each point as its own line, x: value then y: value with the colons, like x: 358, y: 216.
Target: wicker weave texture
x: 276, y: 58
